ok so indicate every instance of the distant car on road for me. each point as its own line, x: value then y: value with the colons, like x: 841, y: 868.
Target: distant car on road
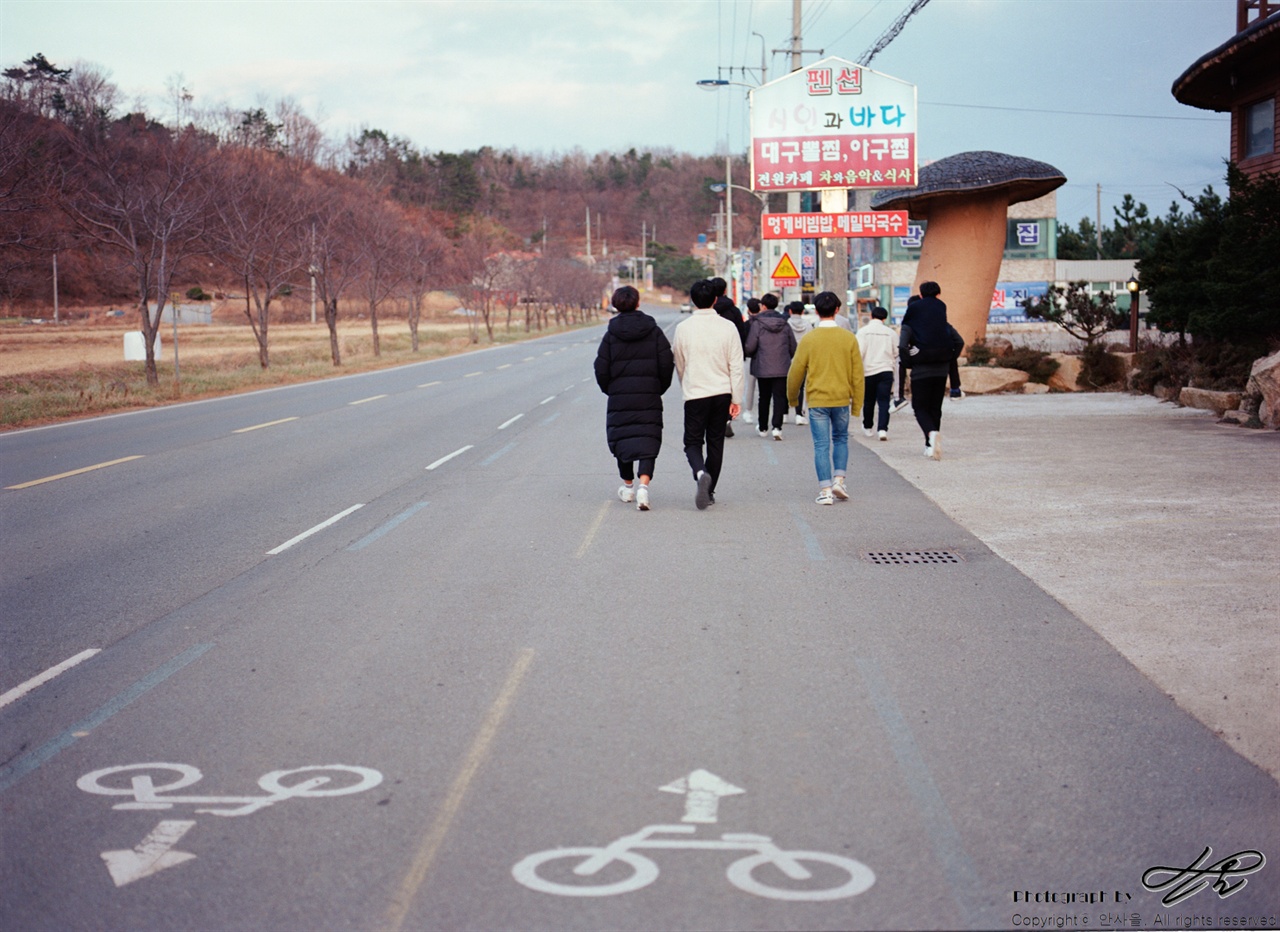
x: 686, y: 308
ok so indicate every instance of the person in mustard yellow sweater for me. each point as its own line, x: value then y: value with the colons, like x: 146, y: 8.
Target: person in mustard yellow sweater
x: 828, y: 364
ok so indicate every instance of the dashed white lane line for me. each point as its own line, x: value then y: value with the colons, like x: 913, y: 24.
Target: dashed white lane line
x: 364, y: 400
x: 319, y: 527
x: 74, y: 472
x: 283, y: 420
x: 471, y: 375
x: 505, y: 424
x: 547, y: 400
x: 529, y: 359
x: 35, y: 682
x: 445, y: 459
x: 429, y: 384
x: 506, y: 365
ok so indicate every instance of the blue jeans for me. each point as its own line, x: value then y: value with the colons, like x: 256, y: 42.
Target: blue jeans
x: 830, y: 430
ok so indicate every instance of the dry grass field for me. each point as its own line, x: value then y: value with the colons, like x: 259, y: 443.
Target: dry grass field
x: 51, y: 372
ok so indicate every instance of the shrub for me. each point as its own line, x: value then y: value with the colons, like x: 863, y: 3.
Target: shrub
x: 1035, y: 363
x: 1100, y: 368
x: 196, y: 293
x: 979, y: 353
x: 1214, y: 365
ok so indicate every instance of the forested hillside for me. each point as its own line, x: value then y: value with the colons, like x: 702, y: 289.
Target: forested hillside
x: 63, y: 132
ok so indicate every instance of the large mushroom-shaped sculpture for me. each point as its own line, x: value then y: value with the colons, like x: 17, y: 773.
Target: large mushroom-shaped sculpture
x: 966, y: 200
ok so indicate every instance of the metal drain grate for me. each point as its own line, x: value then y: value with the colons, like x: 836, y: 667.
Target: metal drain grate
x: 903, y: 557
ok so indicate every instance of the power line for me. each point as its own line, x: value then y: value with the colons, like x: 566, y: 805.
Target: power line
x: 1126, y: 116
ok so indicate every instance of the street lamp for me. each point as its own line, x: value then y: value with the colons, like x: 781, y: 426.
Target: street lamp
x: 1132, y: 285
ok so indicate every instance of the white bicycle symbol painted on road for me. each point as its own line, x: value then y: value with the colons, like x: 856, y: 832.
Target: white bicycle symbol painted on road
x: 278, y: 784
x: 741, y: 873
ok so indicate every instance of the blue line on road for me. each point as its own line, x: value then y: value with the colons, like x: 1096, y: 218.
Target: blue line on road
x: 494, y: 456
x: 934, y: 816
x: 12, y: 773
x: 550, y: 419
x: 389, y: 526
x: 810, y: 539
x: 770, y: 455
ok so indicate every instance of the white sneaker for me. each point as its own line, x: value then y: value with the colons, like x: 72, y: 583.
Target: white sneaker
x: 762, y: 431
x: 801, y: 419
x: 748, y: 417
x: 642, y: 498
x: 825, y: 498
x: 868, y: 432
x: 626, y: 493
x: 934, y: 446
x: 884, y: 435
x: 777, y: 434
x: 839, y: 490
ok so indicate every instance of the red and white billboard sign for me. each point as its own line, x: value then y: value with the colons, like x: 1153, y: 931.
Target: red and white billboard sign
x: 833, y: 124
x: 838, y: 225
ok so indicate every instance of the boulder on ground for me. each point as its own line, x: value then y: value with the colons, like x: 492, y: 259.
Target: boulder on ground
x: 1264, y: 380
x: 1207, y: 400
x: 988, y: 380
x: 1035, y: 388
x: 1067, y: 378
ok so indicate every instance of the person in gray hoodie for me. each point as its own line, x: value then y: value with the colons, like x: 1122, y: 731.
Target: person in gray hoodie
x: 800, y: 325
x: 771, y: 342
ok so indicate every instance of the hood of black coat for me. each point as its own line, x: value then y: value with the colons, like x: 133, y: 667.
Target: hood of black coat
x: 632, y: 325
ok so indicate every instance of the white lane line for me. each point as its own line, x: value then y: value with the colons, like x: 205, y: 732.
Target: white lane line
x: 568, y: 388
x: 319, y: 527
x: 547, y: 400
x: 18, y: 692
x: 363, y: 400
x: 429, y: 384
x: 505, y: 366
x: 245, y: 430
x: 445, y: 459
x: 471, y: 375
x: 505, y: 424
x: 529, y: 359
x: 74, y: 472
x: 548, y: 353
x: 591, y: 531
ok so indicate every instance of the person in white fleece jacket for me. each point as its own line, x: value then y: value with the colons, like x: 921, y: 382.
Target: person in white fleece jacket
x: 708, y: 357
x: 879, y: 344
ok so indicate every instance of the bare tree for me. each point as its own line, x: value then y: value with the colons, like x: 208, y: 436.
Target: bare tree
x: 380, y: 234
x: 143, y: 192
x: 425, y: 252
x: 331, y: 239
x: 261, y: 209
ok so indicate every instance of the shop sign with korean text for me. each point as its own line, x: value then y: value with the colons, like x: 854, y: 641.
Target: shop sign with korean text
x: 842, y: 225
x: 833, y: 124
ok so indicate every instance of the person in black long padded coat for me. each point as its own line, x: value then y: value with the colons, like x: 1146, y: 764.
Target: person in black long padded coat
x: 634, y: 366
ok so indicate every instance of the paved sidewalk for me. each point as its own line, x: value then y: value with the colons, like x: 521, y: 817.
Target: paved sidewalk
x: 1155, y: 525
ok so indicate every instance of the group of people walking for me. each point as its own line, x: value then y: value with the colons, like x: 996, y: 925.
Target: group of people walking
x: 792, y: 360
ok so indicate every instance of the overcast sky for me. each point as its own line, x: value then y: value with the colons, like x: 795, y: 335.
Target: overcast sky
x: 606, y: 75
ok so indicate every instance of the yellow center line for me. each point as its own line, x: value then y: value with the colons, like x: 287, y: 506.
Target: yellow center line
x: 363, y: 400
x: 283, y: 420
x: 434, y: 839
x: 591, y: 531
x: 74, y: 472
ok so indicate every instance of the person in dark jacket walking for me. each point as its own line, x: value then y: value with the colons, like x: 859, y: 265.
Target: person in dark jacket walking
x: 725, y: 307
x: 771, y: 343
x: 634, y: 366
x: 928, y: 344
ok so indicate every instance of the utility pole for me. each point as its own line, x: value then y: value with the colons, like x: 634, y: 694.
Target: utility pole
x: 588, y: 234
x: 1097, y: 233
x: 796, y: 44
x: 55, y: 287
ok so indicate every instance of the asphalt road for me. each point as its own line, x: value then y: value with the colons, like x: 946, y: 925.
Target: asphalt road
x: 492, y: 657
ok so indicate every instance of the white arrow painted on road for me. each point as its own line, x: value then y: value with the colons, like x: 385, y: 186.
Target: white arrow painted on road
x: 702, y: 791
x: 152, y: 855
